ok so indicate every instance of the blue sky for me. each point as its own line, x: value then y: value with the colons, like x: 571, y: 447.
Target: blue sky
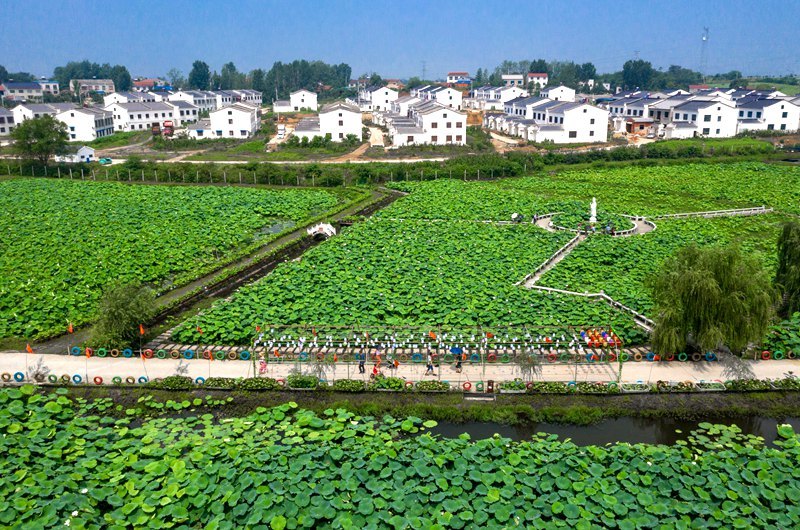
x: 393, y: 38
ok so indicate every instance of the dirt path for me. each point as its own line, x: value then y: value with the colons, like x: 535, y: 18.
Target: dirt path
x: 376, y: 137
x: 352, y: 155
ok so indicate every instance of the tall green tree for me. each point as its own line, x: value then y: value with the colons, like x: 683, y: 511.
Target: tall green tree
x: 787, y: 276
x: 121, y: 77
x: 123, y: 307
x: 40, y: 138
x: 637, y: 74
x: 200, y: 76
x: 539, y: 66
x: 711, y: 298
x: 175, y: 78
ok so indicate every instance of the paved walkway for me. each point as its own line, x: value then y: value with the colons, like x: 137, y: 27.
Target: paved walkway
x: 107, y: 368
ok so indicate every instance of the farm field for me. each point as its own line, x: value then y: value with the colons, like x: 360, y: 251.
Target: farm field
x: 64, y: 241
x: 285, y: 467
x: 425, y: 260
x: 417, y: 273
x: 619, y: 266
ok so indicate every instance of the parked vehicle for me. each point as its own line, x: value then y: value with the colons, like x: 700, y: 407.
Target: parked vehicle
x: 104, y: 161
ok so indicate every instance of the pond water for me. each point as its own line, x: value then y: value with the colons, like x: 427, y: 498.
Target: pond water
x: 276, y: 227
x: 631, y: 430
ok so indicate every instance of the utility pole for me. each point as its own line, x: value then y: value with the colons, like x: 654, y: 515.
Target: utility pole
x: 704, y: 53
x: 423, y: 70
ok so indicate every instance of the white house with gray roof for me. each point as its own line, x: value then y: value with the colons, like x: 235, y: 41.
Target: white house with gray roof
x: 541, y: 119
x: 130, y: 97
x: 336, y: 120
x: 427, y: 122
x: 28, y: 111
x: 303, y: 99
x: 449, y: 97
x: 710, y: 119
x: 240, y: 120
x: 755, y: 114
x: 85, y: 124
x: 141, y: 116
x: 6, y: 121
x: 203, y: 100
x: 558, y: 93
x: 493, y: 98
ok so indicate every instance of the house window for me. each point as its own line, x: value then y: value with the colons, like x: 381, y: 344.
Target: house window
x: 434, y: 125
x: 694, y: 117
x: 591, y: 133
x: 199, y: 132
x: 434, y: 138
x: 707, y: 117
x: 741, y: 114
x: 573, y: 134
x: 244, y: 133
x: 231, y: 112
x: 784, y: 115
x: 783, y: 126
x: 341, y: 122
x: 449, y: 124
x: 449, y: 139
x: 230, y: 122
x: 341, y: 136
x: 771, y: 127
x: 749, y: 113
x: 410, y: 140
x: 717, y: 131
x: 444, y: 115
x: 706, y: 130
x: 230, y: 133
x: 758, y: 114
x: 591, y: 122
x: 458, y: 138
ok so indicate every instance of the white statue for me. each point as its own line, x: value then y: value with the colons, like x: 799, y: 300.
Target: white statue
x: 593, y: 211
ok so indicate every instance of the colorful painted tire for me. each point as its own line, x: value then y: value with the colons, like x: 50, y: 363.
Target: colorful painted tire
x: 244, y: 355
x: 589, y: 357
x: 101, y: 352
x: 188, y: 354
x: 281, y: 382
x: 303, y: 356
x: 670, y: 357
x: 409, y: 385
x: 790, y: 355
x: 148, y: 354
x: 651, y: 356
x: 552, y: 357
x: 142, y: 380
x: 475, y: 358
x: 207, y: 354
x: 624, y: 357
x: 114, y: 352
x: 711, y: 356
x: 682, y: 357
x: 612, y: 357
x: 696, y: 357
x: 765, y: 355
x: 403, y: 357
x: 130, y: 380
x: 448, y: 357
x: 199, y: 381
x: 174, y: 354
x: 5, y: 376
x: 505, y: 358
x: 127, y: 352
x: 117, y: 380
x: 162, y: 354
x: 491, y: 358
x: 529, y: 385
x: 479, y: 386
x: 564, y: 358
x: 416, y: 358
x: 637, y: 357
x: 320, y: 356
x: 52, y: 378
x: 466, y: 386
x: 65, y: 378
x: 613, y: 385
x: 97, y: 380
x: 232, y: 356
x: 572, y: 384
x: 75, y: 379
x: 778, y: 355
x: 89, y: 352
x: 75, y: 350
x: 220, y: 355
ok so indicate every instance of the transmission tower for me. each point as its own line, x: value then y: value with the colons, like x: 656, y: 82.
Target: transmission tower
x: 423, y: 70
x: 704, y: 53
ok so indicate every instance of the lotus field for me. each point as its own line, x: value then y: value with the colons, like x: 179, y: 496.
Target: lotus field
x: 446, y: 255
x: 285, y: 467
x: 64, y: 241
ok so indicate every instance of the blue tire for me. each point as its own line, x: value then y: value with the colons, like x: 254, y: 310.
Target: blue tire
x: 75, y: 350
x: 77, y: 379
x: 711, y: 356
x: 589, y: 357
x: 475, y: 358
x: 651, y: 356
x: 188, y: 354
x: 303, y: 356
x: 19, y: 377
x: 417, y: 358
x: 142, y: 380
x: 244, y: 355
x: 200, y: 381
x: 127, y: 352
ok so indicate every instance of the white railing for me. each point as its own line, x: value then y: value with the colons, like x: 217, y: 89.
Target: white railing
x: 716, y: 213
x: 558, y: 253
x: 639, y: 318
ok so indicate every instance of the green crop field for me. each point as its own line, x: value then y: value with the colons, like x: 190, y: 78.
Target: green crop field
x: 72, y: 463
x: 64, y: 241
x: 427, y: 260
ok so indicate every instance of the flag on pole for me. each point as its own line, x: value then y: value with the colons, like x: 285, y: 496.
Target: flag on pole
x: 69, y: 328
x: 200, y: 331
x: 432, y: 335
x: 141, y: 330
x: 88, y: 352
x: 489, y: 335
x: 258, y: 329
x: 28, y: 348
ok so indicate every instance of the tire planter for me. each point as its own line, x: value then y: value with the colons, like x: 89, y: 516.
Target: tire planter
x: 65, y: 378
x: 711, y: 356
x: 117, y: 380
x: 637, y: 357
x: 188, y: 354
x: 162, y: 354
x: 624, y: 357
x: 101, y: 352
x: 696, y: 357
x: 651, y: 356
x: 467, y: 386
x: 127, y: 353
x: 6, y: 377
x: 244, y: 355
x: 77, y: 379
x: 765, y: 355
x: 303, y: 356
x: 97, y: 380
x: 52, y: 378
x: 89, y: 352
x: 147, y: 354
x: 505, y: 358
x: 491, y: 358
x: 475, y: 358
x: 670, y: 357
x: 130, y: 380
x: 75, y: 350
x: 682, y: 357
x: 479, y: 386
x: 552, y: 357
x: 19, y: 377
x: 790, y: 355
x: 142, y: 380
x: 416, y: 358
x: 219, y: 355
x: 232, y: 355
x: 199, y: 381
x: 778, y: 355
x: 612, y: 357
x: 114, y: 353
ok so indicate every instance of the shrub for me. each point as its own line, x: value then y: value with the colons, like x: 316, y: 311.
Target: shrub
x: 226, y: 383
x: 302, y: 381
x: 348, y: 385
x: 173, y: 382
x: 388, y: 383
x: 516, y: 384
x: 433, y: 386
x: 259, y: 383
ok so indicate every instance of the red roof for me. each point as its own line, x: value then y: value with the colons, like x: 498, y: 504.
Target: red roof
x: 696, y: 87
x: 537, y: 74
x: 457, y: 73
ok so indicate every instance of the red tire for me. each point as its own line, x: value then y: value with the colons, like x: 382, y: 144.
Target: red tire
x: 281, y: 382
x: 552, y: 357
x: 98, y: 380
x: 148, y: 354
x: 491, y: 357
x: 670, y: 357
x: 466, y: 386
x: 612, y: 357
x: 766, y: 356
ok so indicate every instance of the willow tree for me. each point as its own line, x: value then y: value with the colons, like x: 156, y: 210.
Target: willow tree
x: 711, y: 298
x: 787, y: 276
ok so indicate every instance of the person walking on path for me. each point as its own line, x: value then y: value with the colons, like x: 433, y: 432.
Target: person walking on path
x: 361, y: 368
x: 429, y: 371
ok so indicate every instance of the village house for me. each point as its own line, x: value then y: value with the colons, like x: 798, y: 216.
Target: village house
x: 84, y: 86
x: 542, y: 119
x: 336, y: 121
x: 428, y: 122
x: 457, y: 77
x: 536, y: 80
x: 140, y: 116
x: 85, y: 124
x: 183, y: 112
x: 203, y: 100
x: 447, y: 96
x: 493, y: 98
x: 18, y: 91
x: 558, y: 93
x: 303, y: 99
x: 77, y: 155
x: 712, y: 119
x: 375, y: 98
x: 28, y: 111
x: 240, y: 120
x: 6, y: 121
x: 513, y: 80
x: 130, y: 97
x: 756, y: 114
